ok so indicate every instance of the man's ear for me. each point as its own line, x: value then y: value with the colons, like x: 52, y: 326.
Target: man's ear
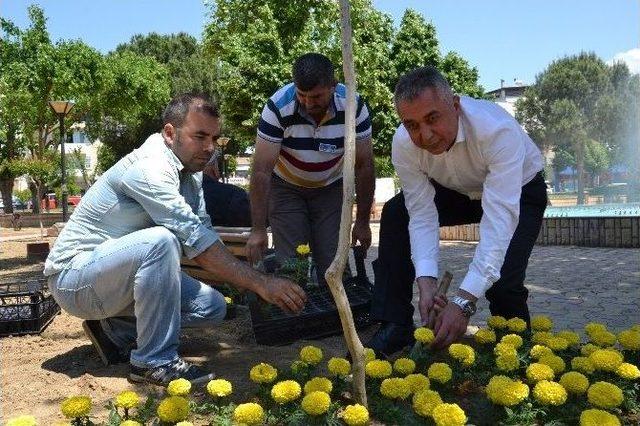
x: 456, y: 103
x: 169, y: 133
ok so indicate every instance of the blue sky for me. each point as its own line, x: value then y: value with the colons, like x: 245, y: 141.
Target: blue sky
x: 503, y: 39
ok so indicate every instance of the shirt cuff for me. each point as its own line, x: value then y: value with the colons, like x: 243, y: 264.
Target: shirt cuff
x: 199, y: 240
x: 426, y: 268
x: 474, y: 284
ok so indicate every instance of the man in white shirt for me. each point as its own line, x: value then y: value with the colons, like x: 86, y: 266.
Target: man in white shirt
x: 460, y: 160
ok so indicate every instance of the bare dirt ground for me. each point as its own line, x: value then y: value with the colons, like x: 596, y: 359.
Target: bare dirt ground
x: 38, y: 372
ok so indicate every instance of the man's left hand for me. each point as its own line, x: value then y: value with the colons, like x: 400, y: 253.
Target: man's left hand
x: 361, y: 233
x: 451, y: 324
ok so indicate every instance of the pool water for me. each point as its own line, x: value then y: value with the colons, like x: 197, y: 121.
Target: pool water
x: 595, y: 210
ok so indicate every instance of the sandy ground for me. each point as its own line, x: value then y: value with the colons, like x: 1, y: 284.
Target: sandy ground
x: 38, y: 372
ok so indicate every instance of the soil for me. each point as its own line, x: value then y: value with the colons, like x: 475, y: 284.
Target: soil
x: 37, y: 372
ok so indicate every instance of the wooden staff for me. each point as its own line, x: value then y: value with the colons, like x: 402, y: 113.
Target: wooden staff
x: 443, y: 287
x: 334, y: 273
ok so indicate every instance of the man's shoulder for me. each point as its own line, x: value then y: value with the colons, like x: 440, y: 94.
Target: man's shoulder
x: 284, y: 96
x: 485, y: 118
x: 401, y: 136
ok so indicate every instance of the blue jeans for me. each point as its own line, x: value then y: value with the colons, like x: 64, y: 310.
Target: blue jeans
x: 134, y: 285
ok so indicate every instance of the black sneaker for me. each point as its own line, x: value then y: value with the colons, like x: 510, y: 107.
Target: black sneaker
x: 390, y: 338
x: 162, y: 375
x: 108, y: 351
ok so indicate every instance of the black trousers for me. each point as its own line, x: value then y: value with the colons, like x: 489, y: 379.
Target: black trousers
x: 394, y: 271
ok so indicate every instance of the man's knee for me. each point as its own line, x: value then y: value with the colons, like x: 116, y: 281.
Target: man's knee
x: 164, y: 242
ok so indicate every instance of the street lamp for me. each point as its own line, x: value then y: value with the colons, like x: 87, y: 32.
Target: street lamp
x: 62, y: 108
x: 222, y: 142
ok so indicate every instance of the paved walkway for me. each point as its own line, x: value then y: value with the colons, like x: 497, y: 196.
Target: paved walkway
x: 573, y: 285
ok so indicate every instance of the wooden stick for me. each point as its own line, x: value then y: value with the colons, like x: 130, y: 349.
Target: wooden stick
x: 443, y: 287
x: 334, y: 273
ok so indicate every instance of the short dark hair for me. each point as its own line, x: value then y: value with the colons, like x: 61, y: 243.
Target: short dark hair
x: 313, y: 70
x: 413, y: 83
x: 177, y: 110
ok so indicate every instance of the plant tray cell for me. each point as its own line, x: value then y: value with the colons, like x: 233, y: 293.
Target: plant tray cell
x: 272, y: 326
x: 25, y: 306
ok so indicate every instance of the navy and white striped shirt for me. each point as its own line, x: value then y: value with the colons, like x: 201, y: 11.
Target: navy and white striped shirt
x: 310, y: 155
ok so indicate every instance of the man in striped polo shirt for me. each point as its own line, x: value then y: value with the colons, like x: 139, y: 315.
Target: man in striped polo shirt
x: 296, y: 177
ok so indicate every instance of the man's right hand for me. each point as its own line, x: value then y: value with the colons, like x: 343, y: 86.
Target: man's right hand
x: 429, y: 304
x: 257, y: 245
x: 289, y: 296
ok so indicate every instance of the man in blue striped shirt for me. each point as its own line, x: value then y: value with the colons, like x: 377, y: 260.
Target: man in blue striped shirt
x: 297, y: 167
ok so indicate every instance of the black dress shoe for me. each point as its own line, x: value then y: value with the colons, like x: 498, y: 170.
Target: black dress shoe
x: 108, y: 351
x: 390, y: 338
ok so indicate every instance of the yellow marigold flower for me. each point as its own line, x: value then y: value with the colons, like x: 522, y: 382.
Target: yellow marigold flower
x: 582, y: 364
x: 549, y: 393
x: 440, y: 372
x: 593, y: 327
x: 606, y: 359
x: 635, y: 328
x: 517, y: 325
x: 179, y: 387
x: 449, y: 415
x: 513, y: 340
x: 628, y: 371
x: 463, y: 353
x: 311, y: 354
x: 541, y: 323
x: 339, y: 366
x: 593, y: 417
x: 497, y: 322
x: 378, y: 369
x: 316, y: 403
x: 228, y: 300
x: 418, y: 382
x: 484, y: 336
x: 76, y: 406
x: 507, y: 362
x: 127, y: 399
x: 503, y: 349
x: 570, y: 336
x: 219, y: 388
x: 355, y: 415
x: 318, y: 384
x: 303, y: 249
x: 286, y: 391
x: 404, y: 366
x: 541, y: 337
x: 249, y: 413
x: 395, y: 388
x: 25, y: 420
x: 557, y: 344
x: 134, y: 423
x: 502, y: 390
x: 604, y: 395
x: 603, y: 338
x: 553, y: 361
x: 173, y: 409
x: 575, y: 382
x: 630, y: 339
x: 369, y: 355
x: 263, y: 373
x: 588, y: 349
x: 538, y: 351
x: 537, y: 372
x: 424, y: 335
x: 425, y: 402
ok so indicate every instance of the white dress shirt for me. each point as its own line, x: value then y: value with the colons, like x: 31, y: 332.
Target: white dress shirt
x: 491, y: 159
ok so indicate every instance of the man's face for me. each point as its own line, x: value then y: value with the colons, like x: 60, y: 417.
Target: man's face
x: 431, y: 120
x: 193, y: 142
x: 317, y: 100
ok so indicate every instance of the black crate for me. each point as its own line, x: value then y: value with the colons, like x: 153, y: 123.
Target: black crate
x: 319, y: 318
x: 25, y: 306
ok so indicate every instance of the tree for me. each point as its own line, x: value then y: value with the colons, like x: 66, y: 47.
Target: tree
x: 575, y: 100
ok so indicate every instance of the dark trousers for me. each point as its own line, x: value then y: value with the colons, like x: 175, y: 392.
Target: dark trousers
x: 394, y: 271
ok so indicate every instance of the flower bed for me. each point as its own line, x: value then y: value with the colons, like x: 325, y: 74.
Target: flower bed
x: 507, y: 375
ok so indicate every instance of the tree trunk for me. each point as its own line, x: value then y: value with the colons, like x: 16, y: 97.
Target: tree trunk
x: 335, y: 271
x: 6, y: 187
x: 580, y: 170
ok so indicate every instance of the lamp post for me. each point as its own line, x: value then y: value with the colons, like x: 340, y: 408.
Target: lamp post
x: 61, y: 109
x: 222, y: 142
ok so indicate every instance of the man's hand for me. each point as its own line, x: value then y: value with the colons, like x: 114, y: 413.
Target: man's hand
x: 256, y: 245
x: 289, y: 296
x: 361, y: 233
x: 451, y: 324
x: 429, y: 304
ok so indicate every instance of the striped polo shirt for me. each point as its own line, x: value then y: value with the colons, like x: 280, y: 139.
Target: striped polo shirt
x: 310, y: 155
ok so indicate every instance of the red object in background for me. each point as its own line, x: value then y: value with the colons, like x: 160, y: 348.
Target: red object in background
x: 73, y: 200
x: 50, y: 200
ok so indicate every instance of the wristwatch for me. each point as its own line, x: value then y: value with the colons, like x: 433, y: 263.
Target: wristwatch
x: 467, y: 306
